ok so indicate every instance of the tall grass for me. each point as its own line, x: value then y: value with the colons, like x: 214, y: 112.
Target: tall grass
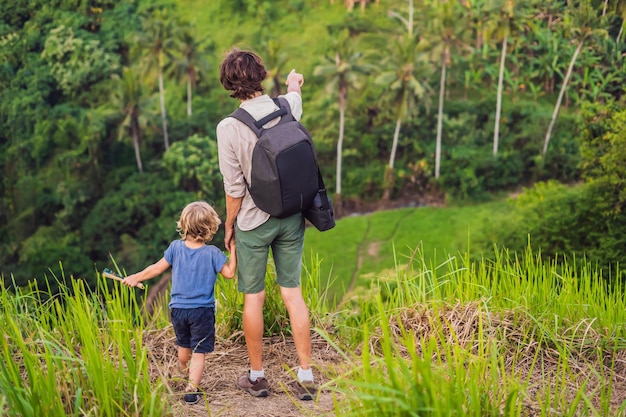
x: 504, y: 337
x: 81, y: 351
x: 510, y: 336
x: 416, y: 375
x: 76, y: 353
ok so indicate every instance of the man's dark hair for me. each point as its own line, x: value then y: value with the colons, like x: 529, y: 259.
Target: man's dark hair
x: 241, y: 73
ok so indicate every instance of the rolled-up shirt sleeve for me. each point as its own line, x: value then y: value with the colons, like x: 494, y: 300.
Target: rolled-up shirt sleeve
x: 295, y: 102
x: 230, y: 167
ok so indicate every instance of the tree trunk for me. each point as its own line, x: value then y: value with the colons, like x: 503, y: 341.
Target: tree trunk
x: 496, y: 129
x: 394, y: 144
x: 442, y: 90
x: 189, y: 97
x: 157, y: 296
x: 392, y: 157
x: 560, y: 99
x: 276, y: 86
x: 134, y: 128
x: 342, y: 111
x: 163, y: 114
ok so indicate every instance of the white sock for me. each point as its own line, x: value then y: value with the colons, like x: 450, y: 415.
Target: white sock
x: 254, y: 375
x: 305, y: 375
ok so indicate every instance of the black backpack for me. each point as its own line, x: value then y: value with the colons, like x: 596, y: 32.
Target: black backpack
x: 284, y: 176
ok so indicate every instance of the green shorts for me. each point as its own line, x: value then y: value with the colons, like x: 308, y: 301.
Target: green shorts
x: 286, y: 238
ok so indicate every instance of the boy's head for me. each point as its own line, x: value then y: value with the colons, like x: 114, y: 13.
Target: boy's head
x: 198, y: 221
x: 242, y: 73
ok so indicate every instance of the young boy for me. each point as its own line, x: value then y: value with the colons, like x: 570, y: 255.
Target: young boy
x: 194, y: 271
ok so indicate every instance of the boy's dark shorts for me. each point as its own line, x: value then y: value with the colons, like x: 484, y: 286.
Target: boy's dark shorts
x: 194, y: 328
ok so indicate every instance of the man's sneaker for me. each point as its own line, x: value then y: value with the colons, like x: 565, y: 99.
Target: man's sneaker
x: 192, y: 397
x: 305, y: 390
x: 258, y: 388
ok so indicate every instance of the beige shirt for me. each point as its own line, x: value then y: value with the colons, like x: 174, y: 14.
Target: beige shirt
x: 235, y: 143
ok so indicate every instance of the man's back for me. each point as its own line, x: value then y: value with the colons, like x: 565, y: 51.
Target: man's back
x: 235, y: 146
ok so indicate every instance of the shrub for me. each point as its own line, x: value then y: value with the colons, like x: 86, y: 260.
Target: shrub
x: 562, y: 222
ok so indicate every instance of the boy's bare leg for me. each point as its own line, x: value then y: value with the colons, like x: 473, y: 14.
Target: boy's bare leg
x: 196, y: 368
x: 184, y: 356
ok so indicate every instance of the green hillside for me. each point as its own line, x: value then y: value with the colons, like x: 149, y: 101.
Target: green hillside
x: 361, y: 248
x: 108, y: 112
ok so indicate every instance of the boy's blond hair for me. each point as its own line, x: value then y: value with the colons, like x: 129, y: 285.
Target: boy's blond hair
x: 198, y: 221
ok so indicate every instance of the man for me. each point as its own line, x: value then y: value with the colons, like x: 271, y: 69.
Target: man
x: 242, y: 73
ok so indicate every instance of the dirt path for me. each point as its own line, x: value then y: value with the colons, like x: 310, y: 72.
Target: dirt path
x: 359, y: 259
x: 228, y: 362
x: 370, y: 249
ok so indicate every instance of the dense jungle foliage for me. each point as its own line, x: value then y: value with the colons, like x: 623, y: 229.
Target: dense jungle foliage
x: 108, y: 111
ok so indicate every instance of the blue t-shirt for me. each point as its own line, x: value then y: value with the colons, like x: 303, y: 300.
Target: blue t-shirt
x: 194, y: 272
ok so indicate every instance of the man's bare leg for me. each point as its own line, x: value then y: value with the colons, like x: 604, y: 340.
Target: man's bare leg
x: 253, y: 328
x: 300, y: 324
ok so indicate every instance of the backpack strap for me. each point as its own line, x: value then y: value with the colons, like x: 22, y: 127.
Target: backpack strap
x: 282, y: 102
x: 322, y: 190
x: 257, y: 125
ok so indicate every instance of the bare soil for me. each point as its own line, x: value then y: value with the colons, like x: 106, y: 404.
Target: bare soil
x: 227, y: 363
x: 408, y: 198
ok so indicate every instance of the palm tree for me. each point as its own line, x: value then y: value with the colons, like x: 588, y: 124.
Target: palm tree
x: 129, y: 99
x: 401, y: 83
x: 342, y: 71
x: 442, y: 20
x: 477, y: 22
x: 583, y: 23
x: 275, y: 60
x: 509, y: 18
x: 156, y: 42
x: 189, y: 64
x: 545, y: 53
x: 620, y: 9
